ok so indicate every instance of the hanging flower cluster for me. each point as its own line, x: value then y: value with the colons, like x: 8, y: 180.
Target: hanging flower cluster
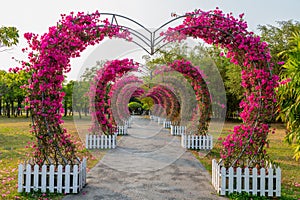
x: 102, y: 119
x: 246, y: 144
x: 49, y: 59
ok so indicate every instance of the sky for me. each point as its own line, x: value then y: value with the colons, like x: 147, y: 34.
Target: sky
x: 37, y: 16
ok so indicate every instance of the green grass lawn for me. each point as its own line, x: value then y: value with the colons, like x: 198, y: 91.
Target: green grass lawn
x: 14, y: 136
x: 279, y: 151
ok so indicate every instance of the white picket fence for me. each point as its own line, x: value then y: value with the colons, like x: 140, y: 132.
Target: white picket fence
x: 127, y: 122
x: 167, y: 124
x: 121, y: 130
x: 154, y: 118
x: 161, y: 120
x: 177, y: 130
x: 261, y: 182
x: 197, y: 142
x: 63, y: 179
x: 100, y: 141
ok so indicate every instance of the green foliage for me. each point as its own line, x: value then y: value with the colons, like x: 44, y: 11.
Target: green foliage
x: 68, y: 100
x: 147, y: 103
x: 245, y: 196
x: 10, y: 91
x: 134, y: 106
x: 9, y: 36
x: 277, y: 38
x: 289, y: 93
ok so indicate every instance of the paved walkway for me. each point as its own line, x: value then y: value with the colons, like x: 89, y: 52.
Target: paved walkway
x: 149, y: 163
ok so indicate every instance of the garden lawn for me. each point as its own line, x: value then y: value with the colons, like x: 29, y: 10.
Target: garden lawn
x: 15, y: 135
x: 279, y: 151
x: 14, y: 149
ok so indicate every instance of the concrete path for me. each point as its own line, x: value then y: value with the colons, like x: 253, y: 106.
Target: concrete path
x: 149, y: 163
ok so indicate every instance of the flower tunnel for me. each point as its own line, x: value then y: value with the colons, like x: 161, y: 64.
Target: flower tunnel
x: 50, y: 56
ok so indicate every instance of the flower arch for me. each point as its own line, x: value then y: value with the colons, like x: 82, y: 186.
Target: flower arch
x: 49, y: 58
x: 245, y: 146
x: 169, y: 101
x: 102, y: 119
x: 51, y: 54
x: 120, y: 99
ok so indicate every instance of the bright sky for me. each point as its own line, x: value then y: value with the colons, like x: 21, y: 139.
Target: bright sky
x: 36, y: 16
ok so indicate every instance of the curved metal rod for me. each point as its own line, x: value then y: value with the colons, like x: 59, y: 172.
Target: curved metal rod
x: 121, y: 16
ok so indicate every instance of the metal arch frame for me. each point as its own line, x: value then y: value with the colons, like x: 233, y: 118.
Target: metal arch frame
x: 151, y: 41
x: 154, y: 39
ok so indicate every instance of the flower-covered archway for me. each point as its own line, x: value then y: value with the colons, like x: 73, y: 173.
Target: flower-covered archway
x: 50, y: 59
x: 246, y: 145
x: 102, y: 119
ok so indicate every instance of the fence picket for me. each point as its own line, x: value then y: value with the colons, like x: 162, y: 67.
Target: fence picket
x: 28, y: 178
x: 246, y: 179
x: 270, y: 182
x: 262, y: 181
x: 20, y: 178
x: 75, y: 178
x: 223, y: 181
x: 51, y: 174
x: 67, y: 179
x: 254, y: 181
x: 44, y: 178
x: 59, y: 179
x: 239, y: 179
x: 230, y: 182
x: 36, y: 178
x: 278, y: 182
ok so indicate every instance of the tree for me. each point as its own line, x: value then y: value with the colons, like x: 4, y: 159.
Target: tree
x: 289, y: 92
x: 9, y: 36
x: 277, y: 38
x: 134, y: 106
x: 68, y: 89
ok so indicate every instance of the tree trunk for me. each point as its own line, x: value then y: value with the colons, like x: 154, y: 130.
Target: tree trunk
x: 27, y: 113
x: 7, y: 109
x: 85, y: 109
x: 19, y: 107
x: 79, y: 112
x: 66, y: 108
x: 0, y: 105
